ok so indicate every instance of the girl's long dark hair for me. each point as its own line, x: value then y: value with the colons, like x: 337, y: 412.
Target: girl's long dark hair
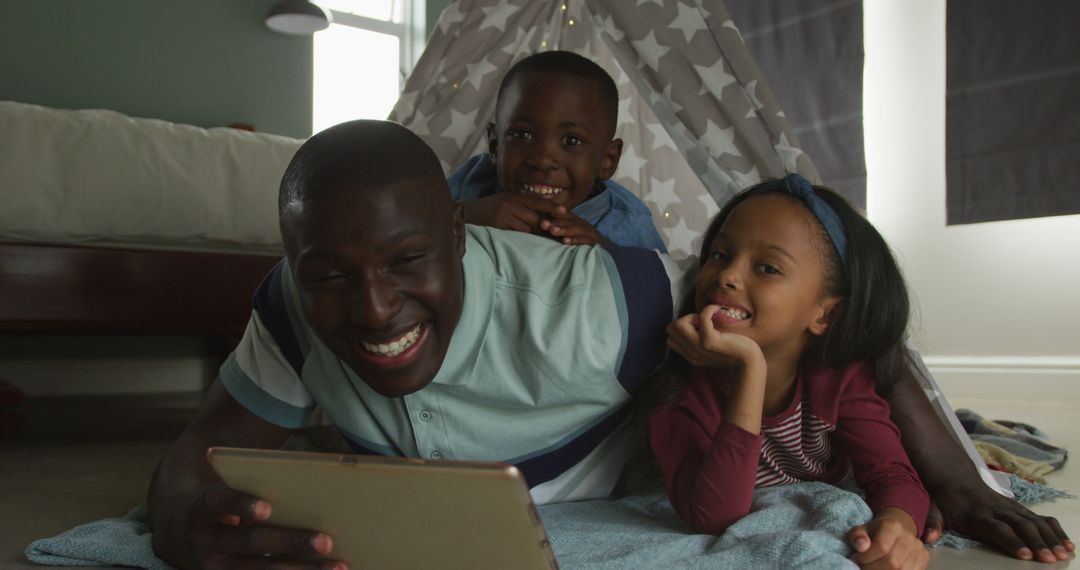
x: 868, y: 324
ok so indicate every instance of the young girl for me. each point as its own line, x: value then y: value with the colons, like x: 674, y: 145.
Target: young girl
x: 799, y: 306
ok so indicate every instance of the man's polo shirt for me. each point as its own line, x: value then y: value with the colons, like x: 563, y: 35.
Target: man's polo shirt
x: 551, y: 341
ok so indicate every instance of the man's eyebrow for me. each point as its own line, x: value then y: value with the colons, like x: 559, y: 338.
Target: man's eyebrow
x: 389, y: 240
x: 401, y: 234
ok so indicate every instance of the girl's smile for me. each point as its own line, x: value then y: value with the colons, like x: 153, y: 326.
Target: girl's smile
x: 730, y: 311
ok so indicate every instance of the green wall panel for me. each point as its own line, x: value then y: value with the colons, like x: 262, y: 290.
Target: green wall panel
x: 202, y: 62
x: 432, y: 10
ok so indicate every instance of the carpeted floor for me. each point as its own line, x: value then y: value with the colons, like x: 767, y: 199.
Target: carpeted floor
x: 78, y: 459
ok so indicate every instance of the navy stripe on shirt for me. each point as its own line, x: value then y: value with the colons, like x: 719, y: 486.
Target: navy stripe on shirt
x: 647, y: 291
x: 543, y: 468
x: 270, y: 303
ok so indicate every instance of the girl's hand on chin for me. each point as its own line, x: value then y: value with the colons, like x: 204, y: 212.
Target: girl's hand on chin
x: 696, y: 338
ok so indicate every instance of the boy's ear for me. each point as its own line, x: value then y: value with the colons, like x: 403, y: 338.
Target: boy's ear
x: 610, y: 161
x: 826, y: 310
x: 493, y: 140
x: 459, y: 228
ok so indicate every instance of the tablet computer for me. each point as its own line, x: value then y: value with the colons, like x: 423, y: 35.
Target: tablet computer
x: 388, y: 512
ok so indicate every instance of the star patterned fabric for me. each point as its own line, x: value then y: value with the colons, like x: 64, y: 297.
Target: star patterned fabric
x: 697, y: 120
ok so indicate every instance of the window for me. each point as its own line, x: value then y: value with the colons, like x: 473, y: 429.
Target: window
x: 1012, y: 132
x: 361, y: 61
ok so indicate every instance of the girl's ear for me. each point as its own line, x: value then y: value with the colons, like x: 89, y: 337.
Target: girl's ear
x: 826, y: 309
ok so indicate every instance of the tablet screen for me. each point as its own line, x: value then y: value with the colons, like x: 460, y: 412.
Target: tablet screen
x: 387, y: 513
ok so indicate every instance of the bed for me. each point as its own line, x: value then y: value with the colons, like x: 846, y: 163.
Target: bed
x: 112, y: 224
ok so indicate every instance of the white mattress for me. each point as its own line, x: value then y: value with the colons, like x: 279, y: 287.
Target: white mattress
x: 99, y: 177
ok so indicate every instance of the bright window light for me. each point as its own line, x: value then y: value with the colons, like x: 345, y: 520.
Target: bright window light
x: 388, y: 10
x: 356, y: 75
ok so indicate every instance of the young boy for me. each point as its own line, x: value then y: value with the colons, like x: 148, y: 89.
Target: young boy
x: 417, y: 336
x: 551, y: 153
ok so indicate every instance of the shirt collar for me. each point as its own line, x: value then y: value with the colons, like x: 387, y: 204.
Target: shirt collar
x: 594, y: 208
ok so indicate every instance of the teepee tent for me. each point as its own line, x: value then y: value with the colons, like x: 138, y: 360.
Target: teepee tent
x: 697, y: 120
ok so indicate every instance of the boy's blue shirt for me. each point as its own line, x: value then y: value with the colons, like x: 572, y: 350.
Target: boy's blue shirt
x: 616, y: 213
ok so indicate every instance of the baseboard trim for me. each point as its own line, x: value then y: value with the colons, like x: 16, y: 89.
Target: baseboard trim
x: 86, y: 376
x: 1021, y: 378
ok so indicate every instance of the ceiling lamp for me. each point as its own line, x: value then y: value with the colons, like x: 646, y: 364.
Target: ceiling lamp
x: 297, y: 17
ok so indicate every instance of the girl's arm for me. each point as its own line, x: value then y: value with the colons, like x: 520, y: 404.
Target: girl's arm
x: 872, y: 441
x: 695, y: 337
x: 707, y: 442
x: 882, y: 469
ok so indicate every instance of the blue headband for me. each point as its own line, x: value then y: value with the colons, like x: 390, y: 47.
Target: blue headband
x: 801, y: 188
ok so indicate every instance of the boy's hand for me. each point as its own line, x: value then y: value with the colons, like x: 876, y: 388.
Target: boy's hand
x: 509, y: 211
x: 888, y: 541
x: 695, y: 337
x: 572, y: 230
x: 224, y: 529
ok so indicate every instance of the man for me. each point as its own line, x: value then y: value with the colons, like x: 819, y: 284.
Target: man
x: 417, y: 336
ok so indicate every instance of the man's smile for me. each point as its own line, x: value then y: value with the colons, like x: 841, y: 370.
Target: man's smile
x: 395, y: 352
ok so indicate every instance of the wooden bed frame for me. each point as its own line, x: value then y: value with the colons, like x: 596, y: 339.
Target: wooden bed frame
x: 82, y: 289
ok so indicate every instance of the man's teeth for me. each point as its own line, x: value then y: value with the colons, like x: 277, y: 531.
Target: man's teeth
x: 734, y: 313
x: 543, y: 189
x: 394, y: 347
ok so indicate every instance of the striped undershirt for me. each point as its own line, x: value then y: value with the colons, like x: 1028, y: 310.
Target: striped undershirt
x: 795, y: 449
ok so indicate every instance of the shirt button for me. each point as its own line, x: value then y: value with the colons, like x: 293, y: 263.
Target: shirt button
x: 436, y: 454
x: 425, y: 416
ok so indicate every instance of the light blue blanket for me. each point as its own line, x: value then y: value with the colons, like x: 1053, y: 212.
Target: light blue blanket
x: 795, y: 525
x: 801, y: 525
x: 123, y: 541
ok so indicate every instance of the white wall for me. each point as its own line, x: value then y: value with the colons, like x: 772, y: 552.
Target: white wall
x: 997, y: 304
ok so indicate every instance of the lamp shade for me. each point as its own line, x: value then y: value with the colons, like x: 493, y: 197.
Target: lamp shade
x: 297, y: 17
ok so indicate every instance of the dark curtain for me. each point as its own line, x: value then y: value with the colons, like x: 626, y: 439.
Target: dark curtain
x: 1012, y: 109
x: 811, y: 53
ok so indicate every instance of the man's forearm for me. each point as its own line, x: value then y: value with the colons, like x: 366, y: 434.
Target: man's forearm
x: 183, y: 470
x: 967, y: 504
x: 935, y: 453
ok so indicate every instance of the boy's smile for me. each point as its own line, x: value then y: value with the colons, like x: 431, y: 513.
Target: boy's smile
x: 552, y: 137
x: 380, y: 279
x: 765, y: 272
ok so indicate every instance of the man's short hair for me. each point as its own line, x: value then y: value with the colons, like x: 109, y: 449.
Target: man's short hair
x: 363, y: 154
